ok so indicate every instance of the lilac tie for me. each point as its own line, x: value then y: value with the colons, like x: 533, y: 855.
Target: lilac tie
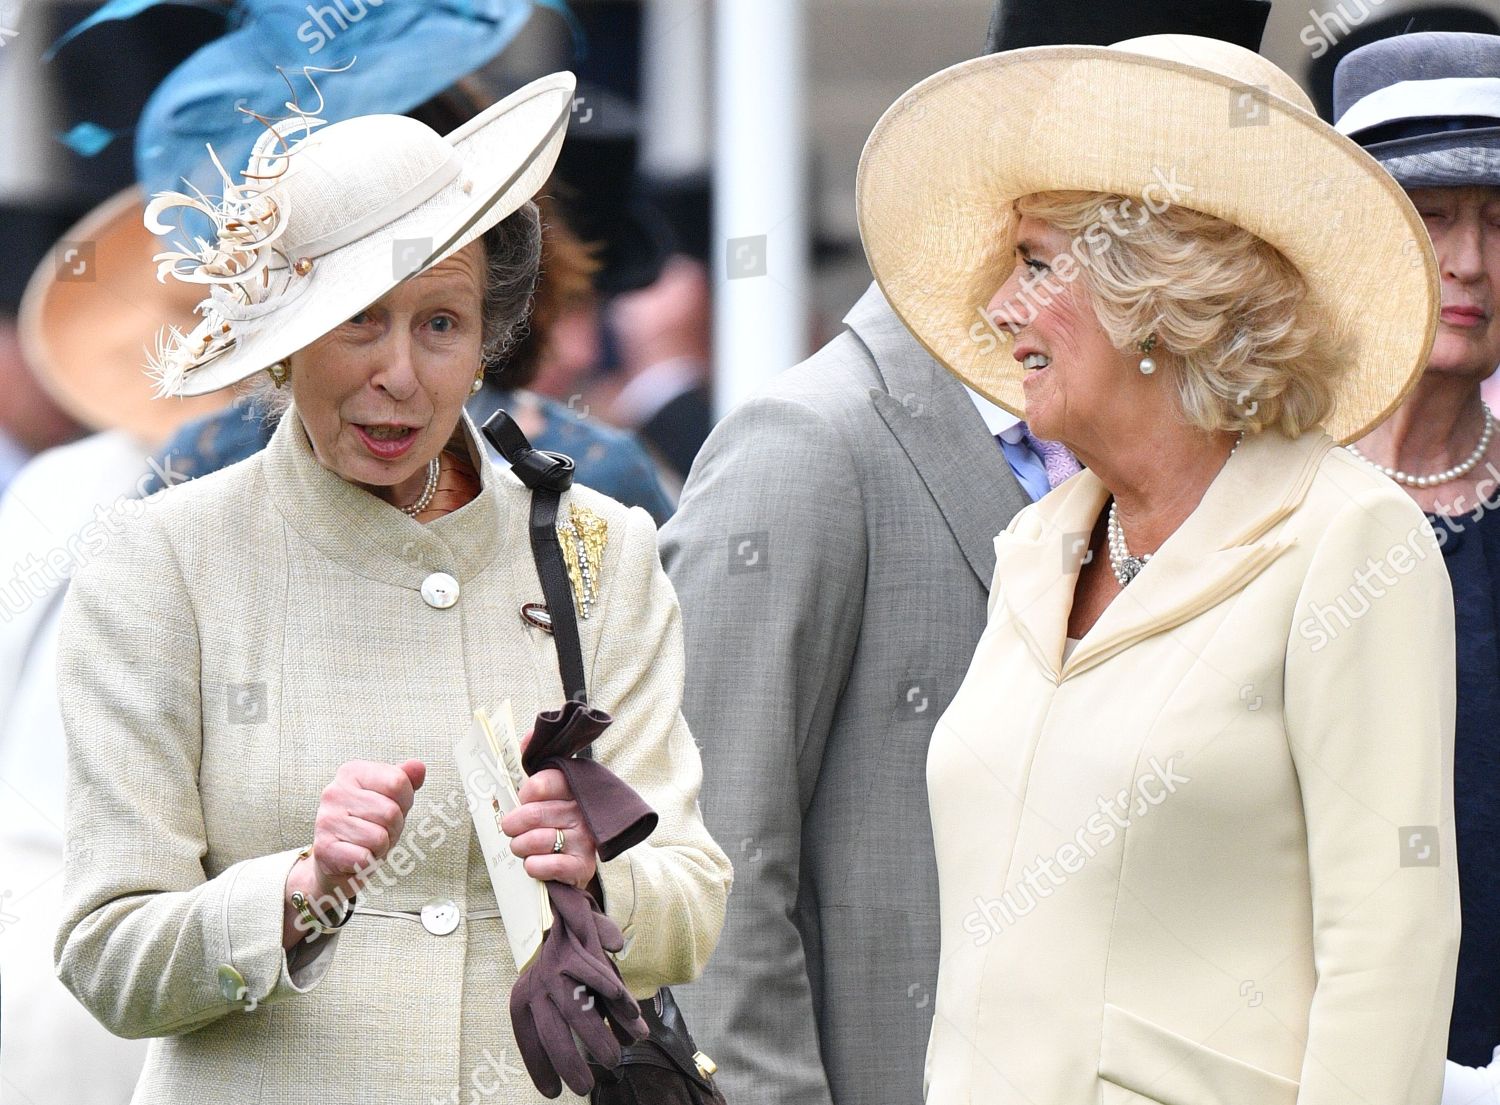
x: 1059, y: 462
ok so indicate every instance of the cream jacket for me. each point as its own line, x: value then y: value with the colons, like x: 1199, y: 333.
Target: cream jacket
x: 1208, y: 860
x: 247, y: 634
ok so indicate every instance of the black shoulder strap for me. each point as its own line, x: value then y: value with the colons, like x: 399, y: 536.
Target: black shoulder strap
x: 548, y: 475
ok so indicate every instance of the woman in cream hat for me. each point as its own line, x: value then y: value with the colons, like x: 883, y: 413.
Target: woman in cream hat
x: 265, y: 675
x: 1192, y: 805
x: 1427, y: 107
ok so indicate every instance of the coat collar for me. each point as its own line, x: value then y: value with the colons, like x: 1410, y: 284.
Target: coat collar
x: 1222, y: 545
x: 370, y: 536
x: 941, y: 431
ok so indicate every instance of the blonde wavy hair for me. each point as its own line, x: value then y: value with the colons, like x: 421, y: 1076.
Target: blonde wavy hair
x: 1251, y: 349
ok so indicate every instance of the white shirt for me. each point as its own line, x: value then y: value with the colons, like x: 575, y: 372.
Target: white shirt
x: 1001, y: 422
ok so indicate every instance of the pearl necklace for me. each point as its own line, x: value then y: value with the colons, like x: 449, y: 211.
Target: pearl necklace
x: 1125, y: 566
x: 427, y: 492
x: 1461, y: 469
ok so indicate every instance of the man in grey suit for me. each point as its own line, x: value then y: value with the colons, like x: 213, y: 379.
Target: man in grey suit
x: 832, y: 554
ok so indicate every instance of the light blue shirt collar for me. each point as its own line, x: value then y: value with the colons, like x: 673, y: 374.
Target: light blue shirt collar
x: 1010, y: 431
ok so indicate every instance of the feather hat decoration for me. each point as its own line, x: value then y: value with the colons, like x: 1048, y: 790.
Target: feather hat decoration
x: 329, y: 217
x: 244, y: 268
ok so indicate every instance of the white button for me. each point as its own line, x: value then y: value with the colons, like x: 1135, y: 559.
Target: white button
x: 440, y: 918
x: 440, y: 590
x: 232, y: 984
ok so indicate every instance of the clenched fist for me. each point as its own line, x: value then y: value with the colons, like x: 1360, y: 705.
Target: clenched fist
x: 359, y: 820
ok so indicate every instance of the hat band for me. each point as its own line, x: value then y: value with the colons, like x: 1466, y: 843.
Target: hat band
x: 1449, y: 97
x: 388, y: 212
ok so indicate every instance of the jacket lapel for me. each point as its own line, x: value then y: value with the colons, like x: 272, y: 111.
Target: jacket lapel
x: 937, y: 425
x: 1037, y: 565
x: 1221, y: 546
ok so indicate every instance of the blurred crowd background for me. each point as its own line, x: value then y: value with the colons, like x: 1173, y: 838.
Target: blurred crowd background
x: 718, y: 186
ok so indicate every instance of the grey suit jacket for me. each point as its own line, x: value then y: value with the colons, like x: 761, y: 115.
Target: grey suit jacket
x: 832, y: 553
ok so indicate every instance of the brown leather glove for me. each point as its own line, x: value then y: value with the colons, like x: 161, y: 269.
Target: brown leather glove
x: 596, y: 934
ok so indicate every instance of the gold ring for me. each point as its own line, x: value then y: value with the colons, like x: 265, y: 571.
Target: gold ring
x: 557, y: 845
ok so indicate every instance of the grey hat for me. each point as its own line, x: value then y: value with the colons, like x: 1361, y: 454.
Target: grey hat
x: 1426, y: 106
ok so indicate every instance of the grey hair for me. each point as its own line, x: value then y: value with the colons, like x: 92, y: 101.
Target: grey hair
x: 512, y: 270
x: 513, y: 266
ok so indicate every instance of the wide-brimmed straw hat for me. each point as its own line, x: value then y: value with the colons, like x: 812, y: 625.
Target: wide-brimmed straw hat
x: 1166, y: 119
x: 322, y: 229
x: 90, y: 306
x: 1426, y: 106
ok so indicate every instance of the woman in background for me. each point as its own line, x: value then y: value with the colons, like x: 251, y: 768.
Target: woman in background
x: 1427, y: 107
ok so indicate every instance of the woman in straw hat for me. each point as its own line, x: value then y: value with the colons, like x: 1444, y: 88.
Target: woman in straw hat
x: 1192, y: 805
x: 1427, y: 107
x: 264, y: 677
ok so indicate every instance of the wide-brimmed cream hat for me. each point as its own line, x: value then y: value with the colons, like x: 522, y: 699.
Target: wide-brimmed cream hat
x: 1176, y: 118
x: 329, y: 218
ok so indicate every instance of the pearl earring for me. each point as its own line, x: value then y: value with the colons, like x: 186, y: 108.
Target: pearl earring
x: 477, y: 384
x: 1148, y: 366
x: 278, y: 373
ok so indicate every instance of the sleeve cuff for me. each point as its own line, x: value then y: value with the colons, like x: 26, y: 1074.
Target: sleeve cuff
x: 256, y: 969
x: 306, y: 964
x: 617, y: 877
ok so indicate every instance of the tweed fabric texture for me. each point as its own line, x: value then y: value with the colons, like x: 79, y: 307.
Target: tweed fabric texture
x: 238, y: 641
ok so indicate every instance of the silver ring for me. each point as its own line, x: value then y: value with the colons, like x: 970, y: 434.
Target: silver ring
x: 558, y: 844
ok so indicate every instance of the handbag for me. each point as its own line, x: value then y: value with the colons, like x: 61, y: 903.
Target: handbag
x: 666, y: 1068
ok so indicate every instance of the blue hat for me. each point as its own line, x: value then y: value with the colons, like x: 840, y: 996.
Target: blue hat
x: 403, y: 52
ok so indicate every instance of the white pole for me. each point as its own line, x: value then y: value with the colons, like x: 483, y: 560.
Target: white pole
x: 760, y: 243
x: 29, y: 155
x: 674, y: 88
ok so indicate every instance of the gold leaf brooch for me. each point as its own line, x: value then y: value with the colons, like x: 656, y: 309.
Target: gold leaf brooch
x: 582, y: 536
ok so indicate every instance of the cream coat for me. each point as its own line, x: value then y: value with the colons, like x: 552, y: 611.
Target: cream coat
x: 247, y: 634
x: 1208, y: 860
